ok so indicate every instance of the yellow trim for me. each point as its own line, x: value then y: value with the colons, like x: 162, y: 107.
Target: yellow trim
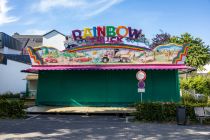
x: 104, y: 47
x: 170, y: 44
x: 37, y: 48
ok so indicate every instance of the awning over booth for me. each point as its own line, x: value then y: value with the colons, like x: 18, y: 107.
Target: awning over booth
x: 35, y: 69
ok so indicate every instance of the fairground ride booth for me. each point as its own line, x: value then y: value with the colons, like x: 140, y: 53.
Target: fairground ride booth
x: 107, y: 66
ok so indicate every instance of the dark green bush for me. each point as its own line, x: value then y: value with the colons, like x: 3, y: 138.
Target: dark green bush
x: 156, y: 111
x: 10, y: 95
x: 188, y: 98
x: 11, y: 108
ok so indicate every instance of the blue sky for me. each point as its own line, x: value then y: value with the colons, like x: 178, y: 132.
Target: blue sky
x: 172, y: 16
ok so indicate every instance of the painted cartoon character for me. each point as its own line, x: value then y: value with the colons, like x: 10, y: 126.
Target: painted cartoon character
x: 117, y: 56
x: 147, y: 57
x: 50, y: 59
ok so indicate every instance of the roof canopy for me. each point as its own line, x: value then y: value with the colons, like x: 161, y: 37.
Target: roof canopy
x: 35, y: 69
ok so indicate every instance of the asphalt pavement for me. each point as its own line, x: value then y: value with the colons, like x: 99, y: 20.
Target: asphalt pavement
x: 79, y: 127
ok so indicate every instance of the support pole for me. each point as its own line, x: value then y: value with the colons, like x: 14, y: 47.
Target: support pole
x: 141, y: 97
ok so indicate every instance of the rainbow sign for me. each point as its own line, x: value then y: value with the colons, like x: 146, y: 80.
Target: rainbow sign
x: 102, y: 45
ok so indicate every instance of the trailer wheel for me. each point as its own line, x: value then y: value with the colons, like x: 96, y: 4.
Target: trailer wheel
x: 105, y: 59
x: 128, y: 60
x: 124, y: 60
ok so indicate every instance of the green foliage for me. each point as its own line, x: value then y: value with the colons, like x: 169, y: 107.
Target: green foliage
x: 190, y: 109
x: 11, y: 108
x: 198, y: 53
x: 199, y: 83
x: 10, y: 95
x: 189, y: 99
x: 156, y: 111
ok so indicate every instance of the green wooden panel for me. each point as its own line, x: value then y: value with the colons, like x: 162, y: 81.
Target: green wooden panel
x: 104, y: 88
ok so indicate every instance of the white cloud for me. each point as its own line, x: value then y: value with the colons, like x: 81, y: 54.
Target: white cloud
x: 46, y: 5
x: 81, y: 8
x: 4, y: 9
x: 105, y: 4
x: 34, y: 32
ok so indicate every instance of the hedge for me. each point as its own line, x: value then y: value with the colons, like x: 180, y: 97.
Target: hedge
x: 11, y: 108
x: 10, y: 95
x: 157, y: 111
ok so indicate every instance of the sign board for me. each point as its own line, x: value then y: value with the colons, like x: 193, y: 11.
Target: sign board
x: 107, y: 34
x: 141, y: 90
x: 107, y: 45
x: 141, y: 84
x: 141, y: 75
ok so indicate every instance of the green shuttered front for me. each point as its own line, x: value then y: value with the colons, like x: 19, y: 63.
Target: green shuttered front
x: 104, y: 88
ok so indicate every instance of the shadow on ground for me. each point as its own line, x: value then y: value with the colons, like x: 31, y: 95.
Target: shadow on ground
x: 96, y: 127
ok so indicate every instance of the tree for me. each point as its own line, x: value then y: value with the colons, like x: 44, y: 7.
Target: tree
x: 200, y: 84
x: 198, y: 53
x: 159, y: 39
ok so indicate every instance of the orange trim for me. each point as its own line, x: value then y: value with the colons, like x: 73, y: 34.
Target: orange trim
x: 181, y: 55
x: 33, y: 56
x: 100, y: 47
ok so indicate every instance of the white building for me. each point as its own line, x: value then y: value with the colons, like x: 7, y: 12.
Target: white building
x: 11, y: 77
x: 11, y: 64
x: 7, y: 50
x: 54, y: 39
